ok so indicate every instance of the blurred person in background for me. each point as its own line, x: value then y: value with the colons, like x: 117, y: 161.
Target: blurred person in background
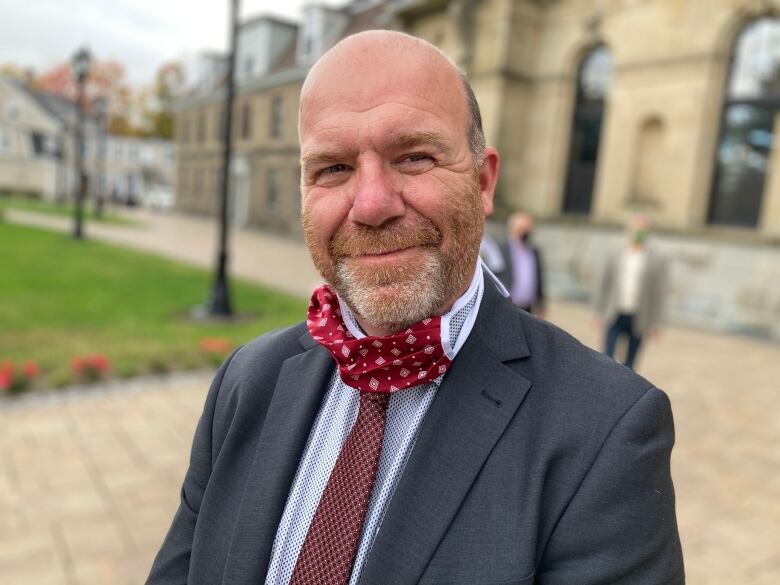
x: 523, y: 273
x: 631, y: 295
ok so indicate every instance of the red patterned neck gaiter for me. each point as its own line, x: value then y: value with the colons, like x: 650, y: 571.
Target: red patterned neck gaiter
x: 377, y: 364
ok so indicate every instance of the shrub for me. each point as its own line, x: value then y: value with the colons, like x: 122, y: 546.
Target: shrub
x: 15, y: 379
x: 159, y: 365
x: 215, y: 349
x: 90, y: 368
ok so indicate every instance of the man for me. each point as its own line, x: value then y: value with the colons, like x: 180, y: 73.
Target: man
x: 631, y: 295
x: 523, y: 274
x: 418, y: 428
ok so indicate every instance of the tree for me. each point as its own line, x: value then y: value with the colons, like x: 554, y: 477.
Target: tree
x: 106, y: 80
x: 16, y: 71
x: 158, y: 99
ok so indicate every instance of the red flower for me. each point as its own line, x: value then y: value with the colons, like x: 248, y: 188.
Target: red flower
x: 30, y: 369
x: 100, y: 362
x: 6, y: 378
x: 90, y: 367
x: 77, y: 364
x: 215, y: 345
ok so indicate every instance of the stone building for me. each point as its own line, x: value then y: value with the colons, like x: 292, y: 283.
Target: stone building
x: 272, y: 59
x: 599, y: 108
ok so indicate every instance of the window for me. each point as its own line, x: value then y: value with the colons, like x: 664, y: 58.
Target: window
x: 595, y: 78
x: 221, y: 126
x: 5, y: 141
x: 277, y: 116
x: 197, y: 184
x: 13, y: 111
x: 272, y: 195
x: 748, y: 124
x: 249, y: 66
x: 202, y: 127
x: 184, y: 131
x: 246, y: 120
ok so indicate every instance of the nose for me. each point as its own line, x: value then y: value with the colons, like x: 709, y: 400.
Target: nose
x: 377, y: 196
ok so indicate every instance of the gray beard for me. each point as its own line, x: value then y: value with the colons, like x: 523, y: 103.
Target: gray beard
x: 398, y: 305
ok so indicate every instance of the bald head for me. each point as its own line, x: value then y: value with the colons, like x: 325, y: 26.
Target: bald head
x: 387, y: 63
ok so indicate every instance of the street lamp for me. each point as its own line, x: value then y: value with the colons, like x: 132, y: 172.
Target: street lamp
x: 219, y: 305
x: 81, y: 63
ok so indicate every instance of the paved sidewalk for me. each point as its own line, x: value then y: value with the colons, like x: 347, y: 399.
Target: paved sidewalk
x: 89, y: 481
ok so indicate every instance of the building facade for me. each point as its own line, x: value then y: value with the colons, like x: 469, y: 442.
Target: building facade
x: 272, y: 59
x: 37, y: 152
x: 31, y: 146
x: 599, y: 108
x: 132, y: 170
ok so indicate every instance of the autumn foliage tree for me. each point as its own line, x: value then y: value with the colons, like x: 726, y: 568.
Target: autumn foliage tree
x: 131, y: 112
x: 106, y: 80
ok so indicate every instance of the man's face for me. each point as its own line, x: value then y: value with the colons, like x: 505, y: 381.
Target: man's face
x: 393, y: 207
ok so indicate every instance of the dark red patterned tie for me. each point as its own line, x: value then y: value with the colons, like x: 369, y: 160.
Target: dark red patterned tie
x: 331, y: 543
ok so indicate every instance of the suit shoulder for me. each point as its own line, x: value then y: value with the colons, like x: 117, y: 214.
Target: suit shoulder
x: 249, y: 379
x: 565, y: 368
x: 270, y: 347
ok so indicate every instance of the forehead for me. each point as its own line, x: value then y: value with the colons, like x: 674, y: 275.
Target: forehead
x: 369, y: 87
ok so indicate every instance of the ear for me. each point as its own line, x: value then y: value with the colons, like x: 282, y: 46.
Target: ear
x: 488, y: 177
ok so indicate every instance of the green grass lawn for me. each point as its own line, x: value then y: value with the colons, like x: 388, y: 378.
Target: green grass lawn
x: 25, y: 203
x: 61, y: 298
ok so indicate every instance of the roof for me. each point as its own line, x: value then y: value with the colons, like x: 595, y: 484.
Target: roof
x: 362, y: 15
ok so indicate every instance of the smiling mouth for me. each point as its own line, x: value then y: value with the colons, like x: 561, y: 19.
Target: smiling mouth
x: 387, y: 254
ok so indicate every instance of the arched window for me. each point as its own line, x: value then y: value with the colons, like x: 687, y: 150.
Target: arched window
x: 748, y: 127
x: 594, y: 80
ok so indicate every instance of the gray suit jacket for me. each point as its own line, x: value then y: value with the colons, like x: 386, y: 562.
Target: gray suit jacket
x: 539, y: 461
x: 652, y: 294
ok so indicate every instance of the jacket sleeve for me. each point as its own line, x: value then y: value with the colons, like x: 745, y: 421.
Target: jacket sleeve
x: 620, y: 526
x: 171, y: 566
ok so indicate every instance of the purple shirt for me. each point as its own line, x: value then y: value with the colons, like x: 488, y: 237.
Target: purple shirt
x: 523, y: 291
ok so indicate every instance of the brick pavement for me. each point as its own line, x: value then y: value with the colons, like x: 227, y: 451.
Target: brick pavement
x: 89, y: 481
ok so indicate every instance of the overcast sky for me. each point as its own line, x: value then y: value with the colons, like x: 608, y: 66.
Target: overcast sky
x: 141, y: 34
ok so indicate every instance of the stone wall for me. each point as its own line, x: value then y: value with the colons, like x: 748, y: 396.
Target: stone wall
x: 720, y: 286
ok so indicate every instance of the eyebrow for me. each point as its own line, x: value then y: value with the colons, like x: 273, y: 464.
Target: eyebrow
x: 316, y: 157
x: 425, y: 137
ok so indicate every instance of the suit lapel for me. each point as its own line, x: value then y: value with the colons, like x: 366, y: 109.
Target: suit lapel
x: 300, y: 387
x: 478, y: 398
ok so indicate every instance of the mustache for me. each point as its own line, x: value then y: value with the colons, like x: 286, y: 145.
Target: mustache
x: 358, y: 240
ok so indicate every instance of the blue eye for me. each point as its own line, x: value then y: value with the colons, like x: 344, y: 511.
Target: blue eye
x: 416, y: 157
x: 333, y: 169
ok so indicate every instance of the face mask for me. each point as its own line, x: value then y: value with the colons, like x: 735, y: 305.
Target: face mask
x: 639, y: 236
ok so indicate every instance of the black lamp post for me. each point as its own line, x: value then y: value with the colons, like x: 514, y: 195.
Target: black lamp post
x: 81, y: 63
x: 219, y: 305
